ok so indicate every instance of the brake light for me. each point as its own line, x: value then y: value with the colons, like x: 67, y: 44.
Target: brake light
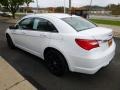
x: 87, y: 44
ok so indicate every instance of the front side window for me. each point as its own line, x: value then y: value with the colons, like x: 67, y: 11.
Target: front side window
x: 41, y: 24
x: 79, y: 24
x: 26, y: 24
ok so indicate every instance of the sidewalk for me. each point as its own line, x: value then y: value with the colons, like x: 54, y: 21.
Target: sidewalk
x: 116, y: 29
x: 10, y: 79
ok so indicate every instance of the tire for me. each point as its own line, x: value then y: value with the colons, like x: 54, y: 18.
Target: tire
x: 10, y: 42
x: 56, y: 62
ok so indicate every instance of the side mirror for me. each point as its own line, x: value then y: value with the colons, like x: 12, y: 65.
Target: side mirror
x: 13, y: 27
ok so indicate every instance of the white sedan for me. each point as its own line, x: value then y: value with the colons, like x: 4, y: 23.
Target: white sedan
x: 65, y: 42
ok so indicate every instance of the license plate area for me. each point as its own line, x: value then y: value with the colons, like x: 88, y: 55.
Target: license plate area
x: 109, y: 42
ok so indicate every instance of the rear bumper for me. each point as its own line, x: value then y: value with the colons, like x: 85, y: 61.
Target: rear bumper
x: 92, y: 65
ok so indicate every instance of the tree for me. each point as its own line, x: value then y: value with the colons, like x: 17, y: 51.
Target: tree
x: 12, y: 5
x: 27, y: 2
x: 115, y: 9
x: 0, y: 7
x: 59, y: 9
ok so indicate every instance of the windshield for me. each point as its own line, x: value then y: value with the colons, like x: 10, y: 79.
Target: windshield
x: 79, y: 23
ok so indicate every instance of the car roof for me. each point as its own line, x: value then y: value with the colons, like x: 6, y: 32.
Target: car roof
x: 54, y: 18
x: 51, y: 15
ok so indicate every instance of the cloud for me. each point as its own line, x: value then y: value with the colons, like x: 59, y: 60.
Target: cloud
x: 55, y: 3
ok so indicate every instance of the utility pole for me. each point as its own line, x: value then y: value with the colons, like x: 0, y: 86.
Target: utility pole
x: 90, y: 4
x: 64, y: 7
x: 69, y: 4
x: 90, y: 8
x: 70, y: 9
x: 37, y: 6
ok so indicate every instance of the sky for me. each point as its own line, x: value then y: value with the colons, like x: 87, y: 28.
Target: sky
x: 76, y: 3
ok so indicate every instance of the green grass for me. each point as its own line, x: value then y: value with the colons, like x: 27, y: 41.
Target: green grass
x: 107, y: 22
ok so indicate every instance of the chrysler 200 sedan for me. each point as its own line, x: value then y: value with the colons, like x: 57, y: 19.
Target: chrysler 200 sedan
x: 65, y: 42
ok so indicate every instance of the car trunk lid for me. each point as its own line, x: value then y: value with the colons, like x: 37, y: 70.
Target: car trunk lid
x: 102, y: 35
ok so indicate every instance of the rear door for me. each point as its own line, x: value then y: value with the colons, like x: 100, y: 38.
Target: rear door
x: 40, y: 35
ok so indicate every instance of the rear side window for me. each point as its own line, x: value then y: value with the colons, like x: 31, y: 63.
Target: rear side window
x: 78, y: 23
x: 41, y: 24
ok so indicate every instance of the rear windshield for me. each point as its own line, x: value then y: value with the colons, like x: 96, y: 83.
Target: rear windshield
x: 78, y: 23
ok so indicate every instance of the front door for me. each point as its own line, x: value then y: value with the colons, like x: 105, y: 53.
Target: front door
x: 33, y: 34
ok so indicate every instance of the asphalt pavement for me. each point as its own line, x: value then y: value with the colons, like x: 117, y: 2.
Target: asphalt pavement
x: 105, y: 17
x: 35, y: 71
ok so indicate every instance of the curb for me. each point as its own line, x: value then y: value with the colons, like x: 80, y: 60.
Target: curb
x: 10, y: 79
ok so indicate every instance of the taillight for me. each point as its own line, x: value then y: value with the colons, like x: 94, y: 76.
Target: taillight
x: 87, y: 44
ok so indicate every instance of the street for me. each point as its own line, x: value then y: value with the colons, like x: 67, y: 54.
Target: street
x: 35, y: 71
x: 105, y: 17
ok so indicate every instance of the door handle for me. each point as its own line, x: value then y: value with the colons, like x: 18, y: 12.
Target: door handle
x: 23, y: 33
x: 14, y: 33
x: 43, y: 35
x: 19, y: 33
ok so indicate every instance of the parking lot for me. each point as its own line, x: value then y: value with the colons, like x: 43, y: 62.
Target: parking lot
x: 33, y: 69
